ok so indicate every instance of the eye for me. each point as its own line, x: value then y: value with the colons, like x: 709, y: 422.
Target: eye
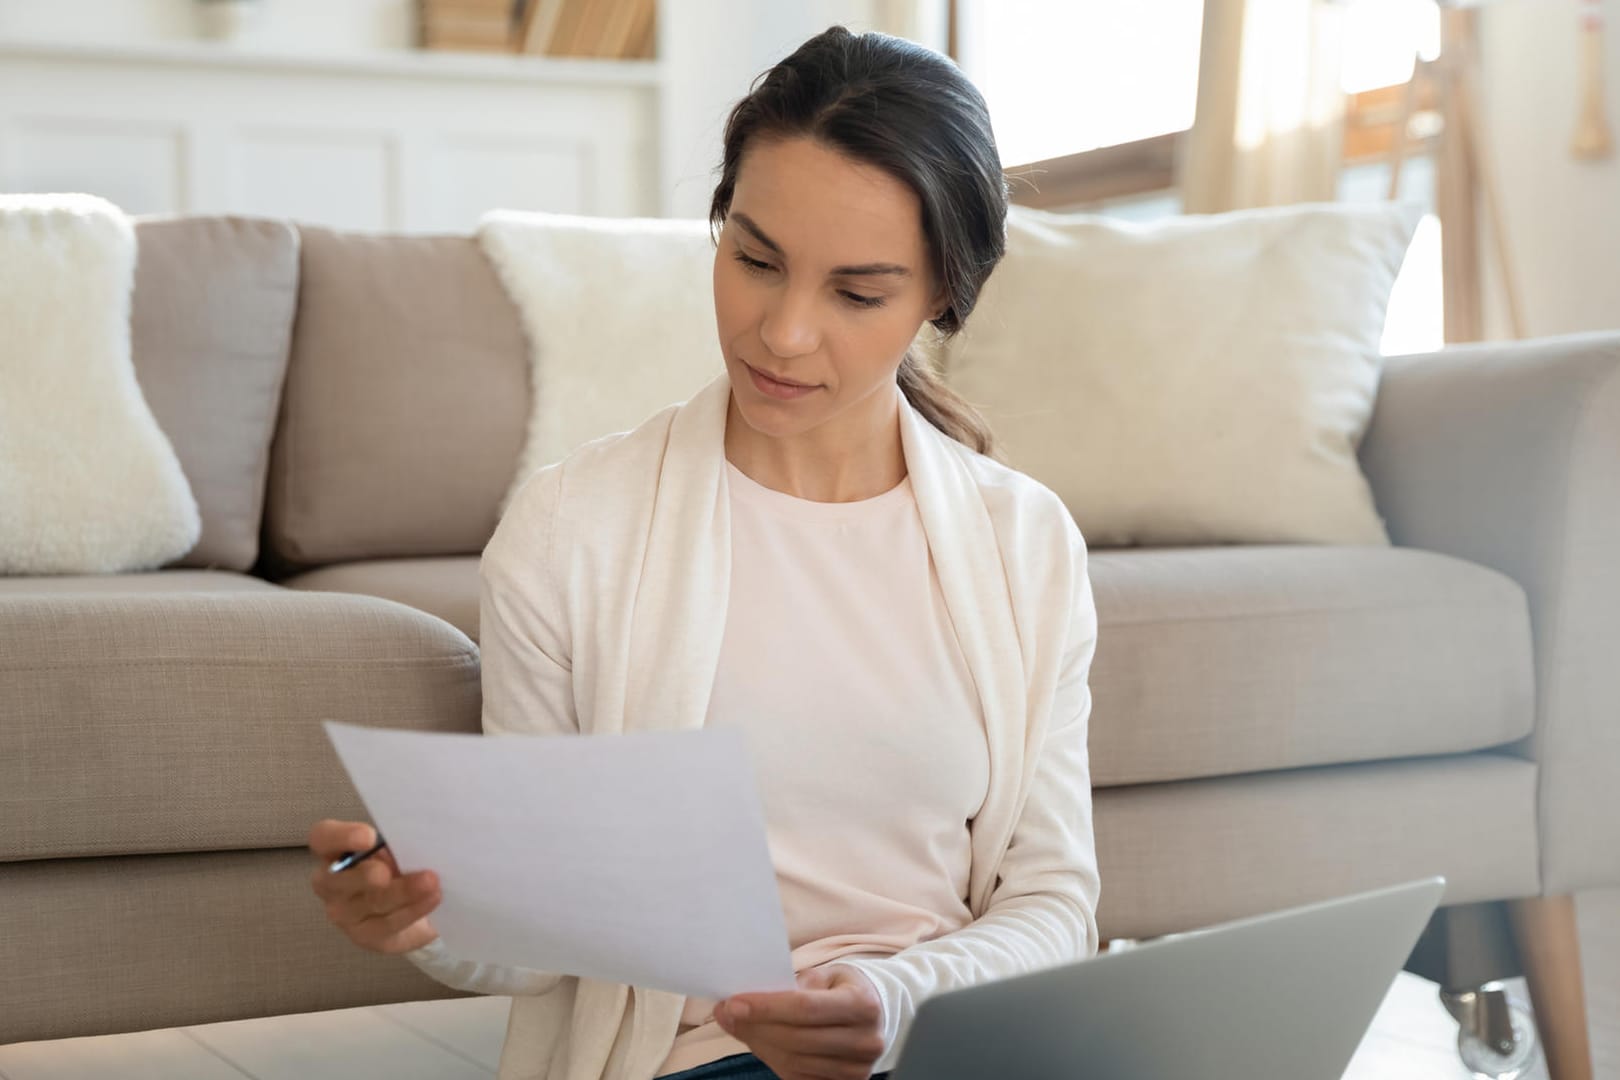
x: 760, y: 269
x: 753, y: 266
x: 862, y: 301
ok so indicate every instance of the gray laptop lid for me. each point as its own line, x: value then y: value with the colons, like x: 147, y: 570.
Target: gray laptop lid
x: 1285, y: 995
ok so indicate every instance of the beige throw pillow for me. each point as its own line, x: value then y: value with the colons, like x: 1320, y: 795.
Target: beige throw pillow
x: 1204, y: 379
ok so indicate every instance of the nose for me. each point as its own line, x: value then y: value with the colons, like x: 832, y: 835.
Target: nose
x: 789, y: 328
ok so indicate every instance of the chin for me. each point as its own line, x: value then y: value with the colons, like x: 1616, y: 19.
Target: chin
x: 772, y: 418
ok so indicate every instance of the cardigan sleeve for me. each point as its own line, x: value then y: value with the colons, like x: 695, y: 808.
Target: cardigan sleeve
x: 1042, y: 911
x: 526, y: 677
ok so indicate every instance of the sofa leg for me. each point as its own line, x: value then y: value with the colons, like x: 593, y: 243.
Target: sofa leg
x: 1549, y: 947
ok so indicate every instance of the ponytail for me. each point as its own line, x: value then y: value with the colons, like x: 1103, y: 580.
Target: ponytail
x: 942, y: 406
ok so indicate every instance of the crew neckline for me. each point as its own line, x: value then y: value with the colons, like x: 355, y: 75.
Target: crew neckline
x: 746, y: 487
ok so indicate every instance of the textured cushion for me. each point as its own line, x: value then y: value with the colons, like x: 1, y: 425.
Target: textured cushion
x: 153, y: 723
x: 1199, y: 380
x: 1215, y: 661
x: 154, y: 941
x: 446, y: 587
x: 1176, y: 857
x: 209, y: 326
x: 407, y: 395
x: 1173, y: 857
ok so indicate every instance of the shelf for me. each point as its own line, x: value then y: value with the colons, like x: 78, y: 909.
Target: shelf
x: 386, y: 63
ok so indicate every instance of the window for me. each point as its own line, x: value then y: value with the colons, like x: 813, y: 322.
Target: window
x: 1381, y: 38
x: 1097, y: 92
x: 1068, y: 76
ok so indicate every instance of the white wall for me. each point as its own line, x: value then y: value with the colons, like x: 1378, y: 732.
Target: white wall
x: 712, y: 51
x: 317, y: 25
x: 1562, y: 215
x: 319, y: 113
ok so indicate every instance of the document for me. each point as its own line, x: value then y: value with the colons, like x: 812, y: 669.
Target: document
x: 637, y: 858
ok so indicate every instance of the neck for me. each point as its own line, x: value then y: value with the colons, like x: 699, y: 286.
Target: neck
x: 847, y: 459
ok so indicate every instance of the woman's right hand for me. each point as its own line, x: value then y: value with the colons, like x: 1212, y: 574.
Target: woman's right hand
x: 372, y: 902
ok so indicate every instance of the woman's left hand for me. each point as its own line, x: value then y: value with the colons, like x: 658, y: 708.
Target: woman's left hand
x: 830, y: 1028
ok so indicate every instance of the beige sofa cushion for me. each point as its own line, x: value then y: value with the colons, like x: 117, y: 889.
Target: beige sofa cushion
x: 407, y: 395
x: 210, y: 320
x: 445, y: 587
x: 1227, y: 660
x: 1176, y: 857
x: 187, y: 721
x: 1217, y: 661
x: 197, y: 939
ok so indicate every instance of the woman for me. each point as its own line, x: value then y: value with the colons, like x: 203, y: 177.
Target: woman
x: 816, y: 550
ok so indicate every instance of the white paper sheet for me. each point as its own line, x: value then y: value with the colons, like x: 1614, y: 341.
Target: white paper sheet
x: 639, y: 858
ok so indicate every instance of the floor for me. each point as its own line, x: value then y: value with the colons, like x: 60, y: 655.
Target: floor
x: 1412, y: 1038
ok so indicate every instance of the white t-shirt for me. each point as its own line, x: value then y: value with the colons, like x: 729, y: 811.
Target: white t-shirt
x: 841, y: 667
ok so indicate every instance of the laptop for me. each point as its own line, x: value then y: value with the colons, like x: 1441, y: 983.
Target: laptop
x: 1285, y: 996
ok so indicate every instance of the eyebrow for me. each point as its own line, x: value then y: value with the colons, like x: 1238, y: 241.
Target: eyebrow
x: 863, y: 270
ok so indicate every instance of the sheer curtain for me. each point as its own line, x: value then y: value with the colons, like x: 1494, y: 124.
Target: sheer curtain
x: 1270, y: 118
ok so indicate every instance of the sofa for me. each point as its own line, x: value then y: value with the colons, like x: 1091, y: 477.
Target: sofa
x: 1271, y: 724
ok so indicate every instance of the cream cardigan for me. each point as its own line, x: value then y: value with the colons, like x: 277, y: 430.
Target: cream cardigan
x: 603, y: 609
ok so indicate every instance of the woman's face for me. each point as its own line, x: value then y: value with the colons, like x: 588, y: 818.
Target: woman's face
x: 821, y: 281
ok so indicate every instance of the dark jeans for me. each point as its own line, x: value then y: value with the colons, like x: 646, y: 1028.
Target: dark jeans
x: 735, y: 1067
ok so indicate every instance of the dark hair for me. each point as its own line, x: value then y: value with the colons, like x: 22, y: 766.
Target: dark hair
x: 906, y: 109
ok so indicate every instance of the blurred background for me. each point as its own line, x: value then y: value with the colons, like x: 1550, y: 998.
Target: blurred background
x: 420, y: 115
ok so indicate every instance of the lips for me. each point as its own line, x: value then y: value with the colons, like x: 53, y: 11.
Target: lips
x: 786, y: 382
x: 779, y: 388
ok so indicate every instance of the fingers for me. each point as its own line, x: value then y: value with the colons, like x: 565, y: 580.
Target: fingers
x: 372, y: 902
x: 836, y: 1027
x: 396, y: 892
x: 377, y: 918
x: 370, y: 876
x: 401, y: 917
x: 382, y: 893
x: 331, y: 840
x: 812, y: 1008
x: 387, y: 858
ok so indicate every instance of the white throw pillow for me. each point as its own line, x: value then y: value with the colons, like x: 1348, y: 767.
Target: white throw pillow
x: 1203, y: 379
x: 619, y: 313
x: 88, y: 481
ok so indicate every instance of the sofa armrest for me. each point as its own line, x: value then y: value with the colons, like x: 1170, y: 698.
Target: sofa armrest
x: 143, y: 723
x: 1509, y: 455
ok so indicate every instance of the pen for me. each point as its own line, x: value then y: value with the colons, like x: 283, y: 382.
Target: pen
x: 350, y: 857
